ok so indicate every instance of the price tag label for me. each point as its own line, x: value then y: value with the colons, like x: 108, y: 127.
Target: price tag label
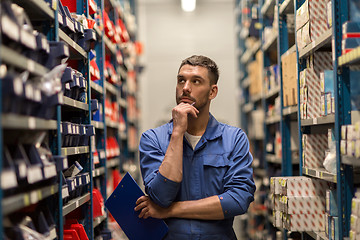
x: 26, y: 200
x: 306, y: 171
x: 317, y: 174
x: 30, y: 66
x: 315, y: 121
x: 33, y: 197
x: 39, y: 193
x: 32, y: 123
x: 52, y: 190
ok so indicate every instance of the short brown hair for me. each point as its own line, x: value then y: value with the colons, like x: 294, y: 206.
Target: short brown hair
x: 210, y: 65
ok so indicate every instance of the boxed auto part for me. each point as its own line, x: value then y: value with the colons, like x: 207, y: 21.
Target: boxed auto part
x: 289, y: 75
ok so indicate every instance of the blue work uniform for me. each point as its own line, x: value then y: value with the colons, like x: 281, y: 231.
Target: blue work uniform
x: 219, y: 165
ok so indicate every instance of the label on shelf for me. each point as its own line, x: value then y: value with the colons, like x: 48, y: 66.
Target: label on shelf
x: 50, y: 171
x: 8, y: 179
x: 34, y: 197
x: 30, y: 65
x: 34, y: 174
x: 31, y: 123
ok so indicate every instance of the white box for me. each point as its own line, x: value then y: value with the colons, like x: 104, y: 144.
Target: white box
x: 354, y: 223
x: 355, y: 207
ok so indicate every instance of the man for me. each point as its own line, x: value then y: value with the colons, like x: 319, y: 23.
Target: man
x: 197, y: 172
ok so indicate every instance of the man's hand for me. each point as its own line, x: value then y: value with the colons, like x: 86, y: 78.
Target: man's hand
x: 150, y: 209
x: 180, y: 116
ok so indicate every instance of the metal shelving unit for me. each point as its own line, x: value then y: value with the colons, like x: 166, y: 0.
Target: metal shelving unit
x: 51, y: 190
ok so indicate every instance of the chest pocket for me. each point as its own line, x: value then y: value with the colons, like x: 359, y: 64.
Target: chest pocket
x: 215, y: 168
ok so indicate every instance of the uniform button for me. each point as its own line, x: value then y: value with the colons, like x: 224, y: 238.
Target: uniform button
x: 221, y: 198
x: 165, y: 180
x: 226, y: 211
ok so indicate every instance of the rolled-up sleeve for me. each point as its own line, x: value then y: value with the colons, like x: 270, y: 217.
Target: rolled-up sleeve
x: 239, y: 185
x: 159, y: 188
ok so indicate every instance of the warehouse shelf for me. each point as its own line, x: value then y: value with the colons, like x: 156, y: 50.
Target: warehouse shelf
x: 318, y: 235
x: 122, y: 102
x: 273, y: 159
x: 273, y: 92
x: 96, y: 87
x: 123, y: 135
x: 98, y: 125
x: 290, y: 110
x: 273, y: 120
x: 75, y: 203
x: 19, y: 201
x: 36, y: 9
x: 76, y: 52
x: 260, y: 172
x: 98, y: 171
x: 45, y: 16
x: 287, y: 7
x: 75, y: 104
x: 320, y: 173
x: 256, y: 98
x: 99, y: 220
x: 74, y: 150
x: 289, y: 51
x: 250, y: 52
x: 122, y: 72
x: 324, y: 40
x: 111, y: 124
x: 245, y: 83
x: 268, y: 8
x: 109, y: 45
x: 329, y: 119
x: 352, y: 57
x: 110, y: 88
x: 353, y: 161
x: 111, y: 163
x: 18, y: 60
x: 272, y: 43
x: 14, y: 121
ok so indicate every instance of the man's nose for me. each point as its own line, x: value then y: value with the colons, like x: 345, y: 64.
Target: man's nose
x: 187, y: 87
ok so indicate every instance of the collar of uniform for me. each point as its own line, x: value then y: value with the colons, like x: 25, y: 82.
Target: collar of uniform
x: 213, y: 130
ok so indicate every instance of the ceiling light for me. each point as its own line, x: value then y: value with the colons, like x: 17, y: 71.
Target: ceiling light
x: 188, y: 5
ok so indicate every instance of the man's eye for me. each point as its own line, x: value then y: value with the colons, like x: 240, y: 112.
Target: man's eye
x: 181, y: 80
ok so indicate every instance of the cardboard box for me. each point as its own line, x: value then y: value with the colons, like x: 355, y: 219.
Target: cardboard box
x: 354, y: 223
x: 354, y: 235
x: 289, y: 74
x: 355, y: 207
x: 318, y: 18
x: 343, y: 147
x: 305, y: 222
x: 314, y: 147
x: 299, y: 186
x: 304, y: 205
x: 255, y: 75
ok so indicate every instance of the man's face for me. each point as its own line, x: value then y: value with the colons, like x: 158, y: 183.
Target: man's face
x: 193, y: 85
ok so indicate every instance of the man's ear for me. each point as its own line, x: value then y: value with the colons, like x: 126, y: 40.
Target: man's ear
x: 213, y: 91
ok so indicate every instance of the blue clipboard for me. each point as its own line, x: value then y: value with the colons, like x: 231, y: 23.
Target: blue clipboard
x: 121, y: 205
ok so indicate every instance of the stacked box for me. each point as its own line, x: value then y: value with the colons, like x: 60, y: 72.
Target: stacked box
x: 314, y: 147
x: 350, y: 140
x: 305, y: 222
x: 311, y: 21
x: 299, y: 203
x: 355, y: 219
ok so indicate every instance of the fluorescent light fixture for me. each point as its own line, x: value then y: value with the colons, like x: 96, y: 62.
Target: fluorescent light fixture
x: 188, y: 5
